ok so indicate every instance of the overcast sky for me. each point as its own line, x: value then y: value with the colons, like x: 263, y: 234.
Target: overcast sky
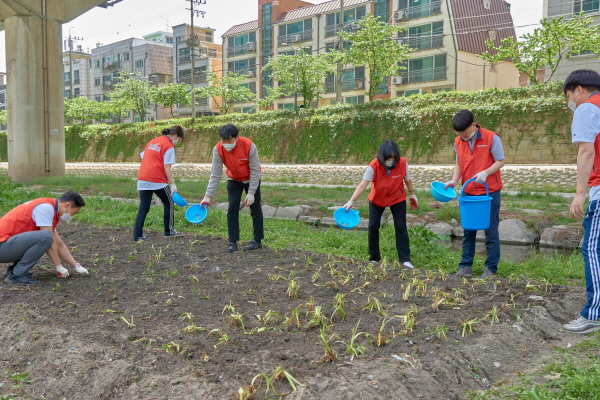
x: 135, y: 18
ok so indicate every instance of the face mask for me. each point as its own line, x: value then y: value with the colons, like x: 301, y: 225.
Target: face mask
x: 572, y: 104
x: 473, y: 134
x: 389, y: 163
x: 229, y: 146
x: 66, y: 216
x: 175, y: 142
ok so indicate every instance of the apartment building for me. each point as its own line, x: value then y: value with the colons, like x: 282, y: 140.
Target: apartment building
x: 207, y: 56
x: 446, y: 36
x: 80, y: 63
x: 153, y: 60
x: 566, y: 9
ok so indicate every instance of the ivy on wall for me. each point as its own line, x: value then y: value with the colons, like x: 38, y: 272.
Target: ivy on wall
x: 343, y: 133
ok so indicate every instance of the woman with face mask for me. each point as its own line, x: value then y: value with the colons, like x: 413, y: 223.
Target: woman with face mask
x: 388, y: 174
x: 155, y: 176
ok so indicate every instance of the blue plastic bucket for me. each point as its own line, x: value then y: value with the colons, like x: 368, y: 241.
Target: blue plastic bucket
x: 440, y: 194
x: 196, y: 213
x: 475, y: 210
x: 177, y: 199
x: 346, y: 220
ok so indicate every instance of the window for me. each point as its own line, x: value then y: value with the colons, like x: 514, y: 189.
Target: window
x: 97, y: 63
x: 107, y: 78
x: 237, y: 44
x: 352, y: 79
x: 266, y: 45
x: 139, y: 64
x: 443, y: 89
x: 248, y: 110
x: 169, y: 40
x: 285, y: 106
x: 179, y: 39
x: 423, y: 37
x: 351, y: 15
x: 420, y: 8
x: 125, y: 56
x: 67, y: 94
x: 242, y: 66
x: 381, y: 9
x: 98, y: 99
x: 76, y: 92
x: 307, y: 50
x: 335, y: 46
x: 586, y: 6
x: 67, y: 78
x: 209, y: 37
x: 407, y: 93
x: 97, y: 82
x: 492, y: 34
x: 355, y: 100
x: 295, y: 27
x: 76, y: 74
x: 251, y: 86
x: 487, y: 4
x: 425, y: 69
x: 106, y: 97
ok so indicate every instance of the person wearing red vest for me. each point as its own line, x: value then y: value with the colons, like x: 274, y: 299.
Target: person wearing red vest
x: 240, y: 156
x: 582, y: 88
x: 479, y: 155
x: 155, y: 176
x: 29, y: 230
x: 388, y: 173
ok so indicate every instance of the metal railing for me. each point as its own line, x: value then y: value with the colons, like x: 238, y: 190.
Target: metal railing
x: 295, y: 37
x: 250, y: 72
x: 423, y: 42
x: 347, y: 85
x: 238, y: 50
x: 185, y: 59
x: 67, y: 82
x: 76, y: 81
x: 332, y: 30
x: 423, y: 11
x: 425, y: 75
x: 201, y: 77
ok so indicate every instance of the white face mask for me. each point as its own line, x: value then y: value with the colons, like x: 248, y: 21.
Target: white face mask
x: 66, y: 216
x: 229, y: 146
x: 175, y: 141
x: 572, y: 104
x: 389, y: 163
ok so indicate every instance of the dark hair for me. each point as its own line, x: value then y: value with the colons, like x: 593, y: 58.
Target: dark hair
x: 388, y: 149
x: 174, y: 130
x: 586, y: 78
x: 228, y: 131
x: 72, y: 197
x: 462, y: 120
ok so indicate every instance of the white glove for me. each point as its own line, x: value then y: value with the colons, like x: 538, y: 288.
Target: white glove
x: 80, y: 269
x: 481, y: 177
x: 173, y: 187
x: 348, y: 205
x: 62, y: 272
x: 249, y: 200
x: 450, y: 184
x: 205, y: 200
x: 414, y: 202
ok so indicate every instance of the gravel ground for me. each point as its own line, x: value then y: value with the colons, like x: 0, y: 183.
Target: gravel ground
x: 559, y: 176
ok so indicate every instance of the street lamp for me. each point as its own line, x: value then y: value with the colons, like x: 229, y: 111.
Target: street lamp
x: 295, y: 75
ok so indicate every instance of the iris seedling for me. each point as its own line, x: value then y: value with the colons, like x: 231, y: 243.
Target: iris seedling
x: 468, y: 326
x: 353, y: 348
x: 293, y: 287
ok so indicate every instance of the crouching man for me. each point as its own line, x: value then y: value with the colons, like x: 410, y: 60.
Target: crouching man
x: 29, y: 230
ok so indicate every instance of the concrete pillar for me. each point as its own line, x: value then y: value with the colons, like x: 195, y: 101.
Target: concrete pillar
x: 35, y: 97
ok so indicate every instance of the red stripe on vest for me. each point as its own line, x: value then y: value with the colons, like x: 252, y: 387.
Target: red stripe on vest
x: 152, y: 168
x: 473, y: 162
x: 237, y: 160
x: 20, y: 220
x: 595, y: 174
x: 388, y: 190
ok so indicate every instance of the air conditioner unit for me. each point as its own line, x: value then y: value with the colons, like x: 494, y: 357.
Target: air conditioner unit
x: 359, y: 85
x: 251, y: 74
x: 295, y: 38
x: 400, y: 15
x: 397, y: 80
x: 356, y: 27
x: 251, y: 46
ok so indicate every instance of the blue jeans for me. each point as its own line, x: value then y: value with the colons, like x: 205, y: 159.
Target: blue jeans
x: 492, y: 239
x: 591, y: 261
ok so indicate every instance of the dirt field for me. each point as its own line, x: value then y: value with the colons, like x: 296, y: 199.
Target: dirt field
x: 127, y: 331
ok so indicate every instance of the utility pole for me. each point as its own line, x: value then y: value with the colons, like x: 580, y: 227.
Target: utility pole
x: 71, y: 62
x: 340, y: 67
x: 193, y: 42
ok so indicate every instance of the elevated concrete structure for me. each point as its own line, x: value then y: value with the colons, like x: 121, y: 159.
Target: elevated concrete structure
x: 35, y: 87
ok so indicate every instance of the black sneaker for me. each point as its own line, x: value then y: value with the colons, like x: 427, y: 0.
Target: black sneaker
x: 253, y: 245
x: 25, y: 279
x: 143, y: 237
x: 173, y: 233
x: 9, y: 270
x: 232, y: 247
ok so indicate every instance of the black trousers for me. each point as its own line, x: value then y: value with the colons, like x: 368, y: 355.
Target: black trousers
x: 402, y: 244
x: 164, y: 195
x: 235, y: 189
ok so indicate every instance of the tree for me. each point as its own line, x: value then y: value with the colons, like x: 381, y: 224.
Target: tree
x: 302, y: 73
x: 172, y: 93
x: 3, y: 117
x: 82, y: 109
x: 546, y: 46
x: 135, y: 91
x: 225, y: 90
x: 374, y: 46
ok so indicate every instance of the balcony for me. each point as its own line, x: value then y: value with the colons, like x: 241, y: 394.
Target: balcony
x: 201, y: 77
x: 250, y: 72
x: 423, y: 42
x: 111, y: 65
x: 347, y: 85
x: 249, y: 47
x: 425, y: 75
x: 303, y: 36
x: 332, y: 30
x: 184, y: 59
x: 423, y: 11
x: 67, y: 82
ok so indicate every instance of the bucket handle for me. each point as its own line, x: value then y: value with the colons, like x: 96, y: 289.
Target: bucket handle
x: 462, y: 190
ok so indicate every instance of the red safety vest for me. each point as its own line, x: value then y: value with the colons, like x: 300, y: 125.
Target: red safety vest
x: 19, y: 219
x: 237, y: 160
x: 595, y: 174
x: 387, y: 190
x: 152, y: 168
x: 473, y: 162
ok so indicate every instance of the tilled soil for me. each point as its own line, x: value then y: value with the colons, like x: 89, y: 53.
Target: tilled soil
x: 162, y: 319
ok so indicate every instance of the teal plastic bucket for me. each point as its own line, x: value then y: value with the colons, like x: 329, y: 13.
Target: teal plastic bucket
x: 475, y: 210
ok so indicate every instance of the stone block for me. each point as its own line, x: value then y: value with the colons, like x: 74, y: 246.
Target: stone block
x: 288, y: 212
x: 326, y: 221
x: 222, y: 206
x: 268, y: 211
x: 440, y: 228
x: 309, y: 220
x: 363, y: 224
x: 515, y: 231
x: 561, y: 236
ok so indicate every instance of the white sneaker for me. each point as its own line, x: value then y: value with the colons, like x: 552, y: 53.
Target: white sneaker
x: 408, y: 265
x: 582, y: 325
